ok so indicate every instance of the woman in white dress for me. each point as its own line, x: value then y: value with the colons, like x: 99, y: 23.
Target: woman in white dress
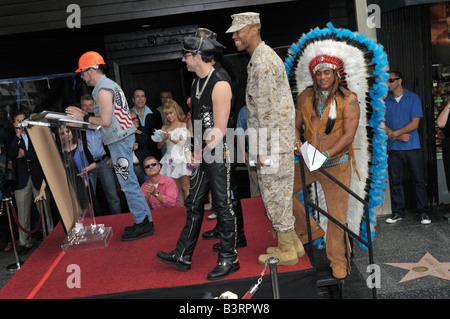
x: 174, y: 135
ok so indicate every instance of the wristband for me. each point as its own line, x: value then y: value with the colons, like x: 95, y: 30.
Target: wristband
x: 86, y: 117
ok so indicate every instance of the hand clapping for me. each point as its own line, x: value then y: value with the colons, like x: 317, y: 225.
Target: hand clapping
x: 150, y: 189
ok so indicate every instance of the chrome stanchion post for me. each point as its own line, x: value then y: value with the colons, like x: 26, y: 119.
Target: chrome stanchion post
x: 13, y: 267
x: 272, y: 261
x: 44, y: 222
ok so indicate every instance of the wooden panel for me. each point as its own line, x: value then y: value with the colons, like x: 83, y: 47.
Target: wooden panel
x: 55, y: 173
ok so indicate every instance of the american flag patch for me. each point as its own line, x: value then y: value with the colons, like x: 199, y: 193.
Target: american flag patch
x: 123, y: 118
x: 121, y: 111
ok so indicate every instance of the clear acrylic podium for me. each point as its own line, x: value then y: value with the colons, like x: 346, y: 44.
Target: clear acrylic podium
x: 59, y: 147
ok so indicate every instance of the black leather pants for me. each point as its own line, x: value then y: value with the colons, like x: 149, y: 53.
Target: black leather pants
x: 215, y: 177
x: 237, y: 205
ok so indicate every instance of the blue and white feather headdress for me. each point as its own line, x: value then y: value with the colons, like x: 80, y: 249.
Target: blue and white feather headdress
x: 365, y: 69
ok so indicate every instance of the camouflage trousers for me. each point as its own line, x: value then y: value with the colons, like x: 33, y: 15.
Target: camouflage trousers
x: 276, y: 183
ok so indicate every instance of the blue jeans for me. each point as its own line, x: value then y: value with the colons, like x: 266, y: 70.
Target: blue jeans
x: 122, y: 157
x: 105, y: 173
x: 412, y: 159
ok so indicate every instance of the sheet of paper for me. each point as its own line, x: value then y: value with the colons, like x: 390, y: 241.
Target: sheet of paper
x: 312, y: 157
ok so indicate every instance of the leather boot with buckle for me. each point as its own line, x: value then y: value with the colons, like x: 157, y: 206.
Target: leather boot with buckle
x: 240, y: 243
x: 223, y: 269
x: 170, y: 258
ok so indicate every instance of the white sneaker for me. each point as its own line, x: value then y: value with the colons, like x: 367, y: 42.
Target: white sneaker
x: 393, y: 219
x: 425, y: 220
x: 212, y: 216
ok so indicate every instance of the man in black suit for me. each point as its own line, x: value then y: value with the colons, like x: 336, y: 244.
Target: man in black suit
x: 151, y: 119
x: 30, y: 181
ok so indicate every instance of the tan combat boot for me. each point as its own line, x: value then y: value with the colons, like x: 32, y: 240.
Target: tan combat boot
x: 288, y: 251
x: 299, y: 246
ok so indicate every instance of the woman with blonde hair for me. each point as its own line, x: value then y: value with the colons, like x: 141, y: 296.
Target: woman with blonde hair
x: 174, y: 135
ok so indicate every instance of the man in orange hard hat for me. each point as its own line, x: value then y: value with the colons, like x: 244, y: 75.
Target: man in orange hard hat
x: 112, y: 113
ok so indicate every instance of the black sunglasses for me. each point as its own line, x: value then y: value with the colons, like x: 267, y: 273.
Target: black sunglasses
x: 393, y: 80
x: 84, y: 71
x: 151, y: 165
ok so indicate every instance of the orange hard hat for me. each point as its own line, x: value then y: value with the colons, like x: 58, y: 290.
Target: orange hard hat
x: 88, y: 59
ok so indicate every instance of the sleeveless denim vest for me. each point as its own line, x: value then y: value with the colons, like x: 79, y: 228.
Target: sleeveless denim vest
x: 121, y: 124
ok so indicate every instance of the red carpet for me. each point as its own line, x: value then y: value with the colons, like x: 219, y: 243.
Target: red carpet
x: 131, y: 266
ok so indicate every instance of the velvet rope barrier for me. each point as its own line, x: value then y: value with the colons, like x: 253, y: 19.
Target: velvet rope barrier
x: 251, y: 292
x: 21, y: 227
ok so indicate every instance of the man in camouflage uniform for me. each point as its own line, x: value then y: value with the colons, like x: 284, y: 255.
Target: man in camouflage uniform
x: 271, y: 125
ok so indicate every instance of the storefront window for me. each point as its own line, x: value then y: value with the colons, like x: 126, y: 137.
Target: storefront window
x: 440, y: 37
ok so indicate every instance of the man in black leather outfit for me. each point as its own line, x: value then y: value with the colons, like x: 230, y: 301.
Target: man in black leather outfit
x: 220, y: 65
x: 210, y: 109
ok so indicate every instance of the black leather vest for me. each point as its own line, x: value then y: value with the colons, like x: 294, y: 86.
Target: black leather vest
x: 202, y: 109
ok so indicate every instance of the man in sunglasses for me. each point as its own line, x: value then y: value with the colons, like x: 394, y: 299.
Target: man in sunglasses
x: 160, y: 191
x: 403, y: 113
x: 113, y: 115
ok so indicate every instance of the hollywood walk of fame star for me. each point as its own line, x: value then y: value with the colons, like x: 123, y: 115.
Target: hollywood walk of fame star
x: 427, y: 266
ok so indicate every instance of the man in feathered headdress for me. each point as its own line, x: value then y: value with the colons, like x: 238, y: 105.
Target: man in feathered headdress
x: 338, y: 79
x: 330, y: 116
